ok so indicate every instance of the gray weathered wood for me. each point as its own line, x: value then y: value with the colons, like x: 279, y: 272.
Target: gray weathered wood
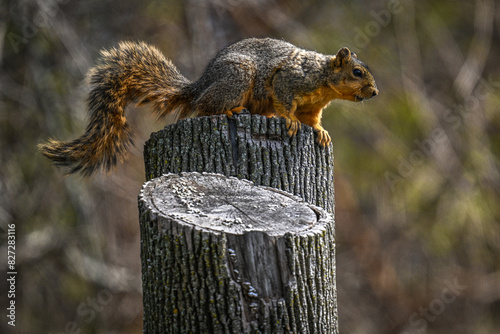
x: 221, y: 255
x: 251, y: 147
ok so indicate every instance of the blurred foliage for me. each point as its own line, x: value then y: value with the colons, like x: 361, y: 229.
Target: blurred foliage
x: 417, y: 168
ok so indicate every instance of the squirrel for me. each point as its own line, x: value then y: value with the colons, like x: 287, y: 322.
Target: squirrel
x: 266, y: 76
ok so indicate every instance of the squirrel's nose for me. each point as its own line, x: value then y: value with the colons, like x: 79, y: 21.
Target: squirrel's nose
x: 375, y: 92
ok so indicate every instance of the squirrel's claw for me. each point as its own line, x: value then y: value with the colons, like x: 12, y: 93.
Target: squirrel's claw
x: 292, y: 125
x: 323, y: 138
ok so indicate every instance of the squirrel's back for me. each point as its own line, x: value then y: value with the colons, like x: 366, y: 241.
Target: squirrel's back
x: 244, y: 72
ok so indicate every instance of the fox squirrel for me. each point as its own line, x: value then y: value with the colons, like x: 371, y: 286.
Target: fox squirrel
x: 266, y: 76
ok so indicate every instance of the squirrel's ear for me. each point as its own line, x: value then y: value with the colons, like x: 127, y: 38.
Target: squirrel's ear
x: 343, y: 56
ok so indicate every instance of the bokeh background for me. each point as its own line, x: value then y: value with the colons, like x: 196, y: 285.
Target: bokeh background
x: 416, y: 169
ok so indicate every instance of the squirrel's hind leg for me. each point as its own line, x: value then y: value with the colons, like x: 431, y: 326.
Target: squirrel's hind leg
x: 228, y: 88
x: 288, y: 112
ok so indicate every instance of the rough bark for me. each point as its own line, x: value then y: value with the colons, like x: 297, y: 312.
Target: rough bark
x: 255, y: 148
x: 222, y: 255
x: 249, y: 147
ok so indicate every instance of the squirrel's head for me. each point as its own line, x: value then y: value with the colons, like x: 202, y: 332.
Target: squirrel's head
x: 351, y: 78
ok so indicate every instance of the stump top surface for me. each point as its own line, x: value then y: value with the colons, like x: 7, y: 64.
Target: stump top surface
x: 228, y: 204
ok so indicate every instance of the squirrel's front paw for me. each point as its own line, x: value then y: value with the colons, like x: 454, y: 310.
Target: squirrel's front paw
x: 323, y: 138
x: 293, y: 125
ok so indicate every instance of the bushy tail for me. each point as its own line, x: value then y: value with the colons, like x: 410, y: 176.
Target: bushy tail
x: 132, y: 72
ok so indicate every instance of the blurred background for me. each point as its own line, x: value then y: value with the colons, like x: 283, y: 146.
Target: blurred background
x: 416, y: 169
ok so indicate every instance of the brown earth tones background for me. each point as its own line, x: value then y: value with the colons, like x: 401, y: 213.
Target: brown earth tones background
x: 416, y: 169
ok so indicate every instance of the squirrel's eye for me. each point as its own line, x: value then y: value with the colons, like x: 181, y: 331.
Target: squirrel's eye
x: 357, y: 72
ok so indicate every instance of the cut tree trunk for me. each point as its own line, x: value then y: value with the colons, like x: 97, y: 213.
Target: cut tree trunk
x: 222, y: 255
x: 258, y: 149
x: 251, y: 147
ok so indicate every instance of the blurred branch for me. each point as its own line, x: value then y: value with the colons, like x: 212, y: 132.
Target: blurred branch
x: 411, y: 66
x: 471, y: 70
x: 444, y: 43
x: 3, y: 31
x: 271, y: 16
x: 413, y: 82
x: 200, y: 22
x: 68, y: 36
x: 20, y: 94
x: 467, y: 79
x: 105, y: 274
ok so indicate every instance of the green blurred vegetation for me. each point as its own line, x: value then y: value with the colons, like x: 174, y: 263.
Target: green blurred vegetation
x: 416, y: 168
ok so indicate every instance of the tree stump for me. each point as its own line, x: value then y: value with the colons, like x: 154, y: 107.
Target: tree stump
x: 222, y: 255
x: 251, y: 147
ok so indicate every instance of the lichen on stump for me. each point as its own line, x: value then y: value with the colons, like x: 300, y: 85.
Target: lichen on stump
x: 222, y: 255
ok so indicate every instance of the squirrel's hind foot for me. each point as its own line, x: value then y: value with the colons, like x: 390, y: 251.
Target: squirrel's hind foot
x: 237, y: 110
